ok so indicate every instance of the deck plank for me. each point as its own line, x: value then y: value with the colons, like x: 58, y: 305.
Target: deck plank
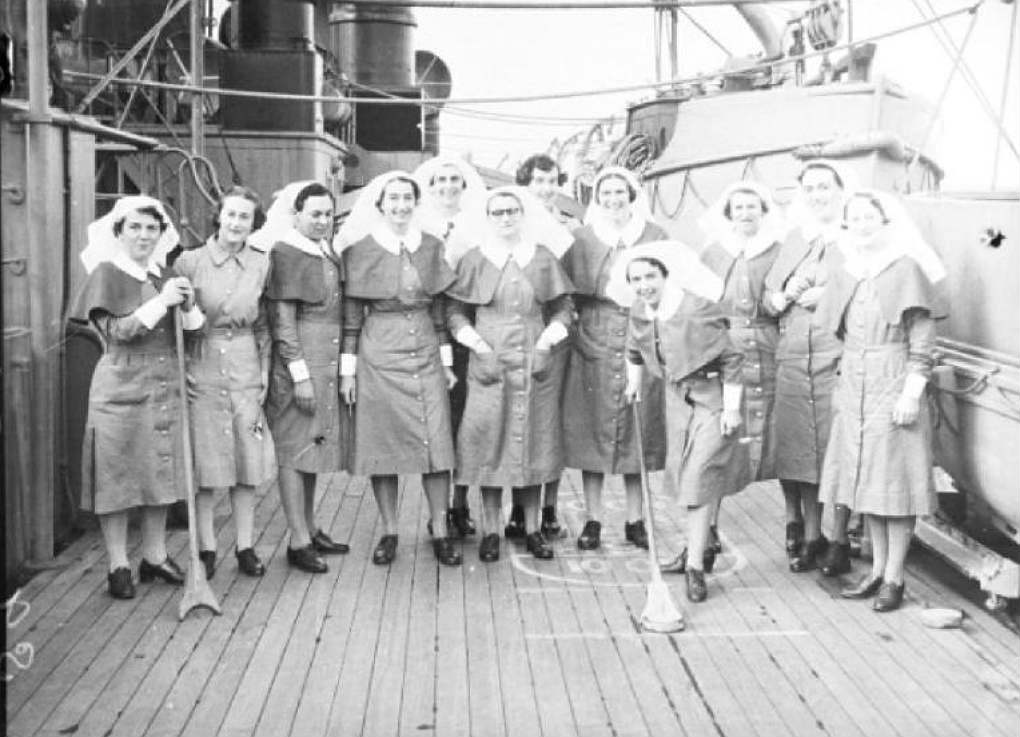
x: 452, y: 685
x: 485, y: 705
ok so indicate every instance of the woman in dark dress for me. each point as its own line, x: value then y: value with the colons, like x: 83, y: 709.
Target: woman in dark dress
x: 397, y: 364
x: 133, y: 450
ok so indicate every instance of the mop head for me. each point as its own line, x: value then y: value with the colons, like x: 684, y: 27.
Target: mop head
x: 660, y: 613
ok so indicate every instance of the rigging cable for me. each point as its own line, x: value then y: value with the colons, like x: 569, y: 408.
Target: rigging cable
x: 1005, y: 92
x: 699, y: 78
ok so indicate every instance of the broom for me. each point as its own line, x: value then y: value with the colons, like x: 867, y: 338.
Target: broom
x: 196, y: 588
x: 660, y: 613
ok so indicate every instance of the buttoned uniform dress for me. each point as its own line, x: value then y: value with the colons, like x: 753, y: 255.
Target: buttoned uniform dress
x: 461, y: 354
x: 692, y: 352
x: 232, y: 441
x: 755, y: 331
x: 133, y: 452
x: 598, y: 422
x: 304, y: 300
x: 887, y: 325
x: 511, y: 431
x: 395, y: 323
x: 807, y: 361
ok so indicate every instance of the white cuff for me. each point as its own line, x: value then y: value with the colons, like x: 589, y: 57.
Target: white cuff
x: 554, y: 332
x: 468, y: 337
x: 151, y: 312
x: 298, y: 370
x: 731, y: 395
x: 634, y: 372
x: 913, y: 386
x: 446, y: 354
x: 348, y: 364
x: 192, y: 319
x: 779, y: 301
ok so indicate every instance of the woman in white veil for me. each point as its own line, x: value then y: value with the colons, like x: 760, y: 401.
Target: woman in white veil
x: 882, y: 303
x: 599, y: 433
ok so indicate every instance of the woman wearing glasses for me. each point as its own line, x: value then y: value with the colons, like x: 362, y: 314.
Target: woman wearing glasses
x: 510, y: 433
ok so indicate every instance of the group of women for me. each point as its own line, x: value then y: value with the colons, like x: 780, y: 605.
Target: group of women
x: 311, y: 353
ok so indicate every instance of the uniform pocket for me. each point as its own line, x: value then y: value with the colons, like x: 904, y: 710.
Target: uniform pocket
x: 485, y: 368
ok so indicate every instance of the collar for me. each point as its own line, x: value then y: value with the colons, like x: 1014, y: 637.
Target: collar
x: 672, y: 296
x: 608, y: 233
x: 219, y: 255
x: 756, y: 245
x: 132, y: 269
x: 867, y: 264
x: 522, y: 252
x: 828, y: 232
x: 303, y: 243
x: 392, y: 242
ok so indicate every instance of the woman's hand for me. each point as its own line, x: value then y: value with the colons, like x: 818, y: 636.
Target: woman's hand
x: 541, y: 363
x: 795, y: 287
x: 175, y: 291
x: 451, y: 378
x: 809, y: 297
x: 264, y: 392
x: 729, y: 422
x: 632, y: 392
x: 349, y: 390
x: 481, y: 348
x: 304, y: 396
x: 189, y: 293
x: 906, y: 410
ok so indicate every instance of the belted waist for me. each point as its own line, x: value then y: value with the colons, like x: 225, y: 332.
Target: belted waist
x: 751, y: 322
x: 858, y: 347
x: 228, y: 332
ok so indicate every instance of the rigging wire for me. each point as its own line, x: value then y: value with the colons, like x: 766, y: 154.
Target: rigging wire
x: 1005, y: 92
x: 708, y: 34
x: 699, y: 78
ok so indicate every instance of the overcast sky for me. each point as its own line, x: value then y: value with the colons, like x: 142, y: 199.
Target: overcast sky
x: 537, y: 51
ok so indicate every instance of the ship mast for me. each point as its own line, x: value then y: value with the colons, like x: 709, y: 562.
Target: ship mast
x: 666, y: 39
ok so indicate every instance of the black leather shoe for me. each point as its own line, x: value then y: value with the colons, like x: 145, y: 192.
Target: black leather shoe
x: 696, y: 588
x: 488, y: 549
x: 551, y: 528
x: 249, y: 563
x: 863, y: 589
x: 538, y: 547
x: 120, y: 584
x: 635, y: 532
x: 385, y: 551
x: 208, y: 558
x: 794, y: 538
x: 809, y: 555
x: 514, y: 529
x: 591, y: 536
x: 459, y: 522
x: 890, y: 596
x: 168, y: 570
x: 677, y: 565
x: 714, y: 543
x: 445, y: 552
x: 306, y: 559
x: 326, y: 545
x: 836, y: 560
x: 708, y: 560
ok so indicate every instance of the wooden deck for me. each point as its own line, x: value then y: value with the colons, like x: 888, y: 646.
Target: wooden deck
x: 520, y: 647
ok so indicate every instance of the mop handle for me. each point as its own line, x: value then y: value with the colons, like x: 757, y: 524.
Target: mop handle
x: 646, y: 494
x: 189, y: 470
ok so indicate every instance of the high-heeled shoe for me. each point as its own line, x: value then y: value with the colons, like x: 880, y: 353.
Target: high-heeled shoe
x: 445, y: 552
x: 326, y: 545
x: 249, y: 564
x: 863, y: 589
x: 809, y: 555
x: 538, y: 547
x: 120, y: 584
x: 591, y: 536
x: 836, y: 560
x: 550, y: 527
x: 168, y: 571
x: 890, y: 597
x: 488, y: 549
x: 636, y: 533
x: 697, y: 590
x: 385, y: 551
x: 459, y: 522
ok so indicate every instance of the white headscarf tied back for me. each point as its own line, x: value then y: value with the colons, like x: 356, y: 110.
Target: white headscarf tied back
x: 599, y: 218
x: 901, y: 237
x: 365, y: 216
x: 279, y: 217
x: 719, y: 228
x: 686, y: 272
x: 538, y: 226
x: 431, y: 218
x: 104, y: 245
